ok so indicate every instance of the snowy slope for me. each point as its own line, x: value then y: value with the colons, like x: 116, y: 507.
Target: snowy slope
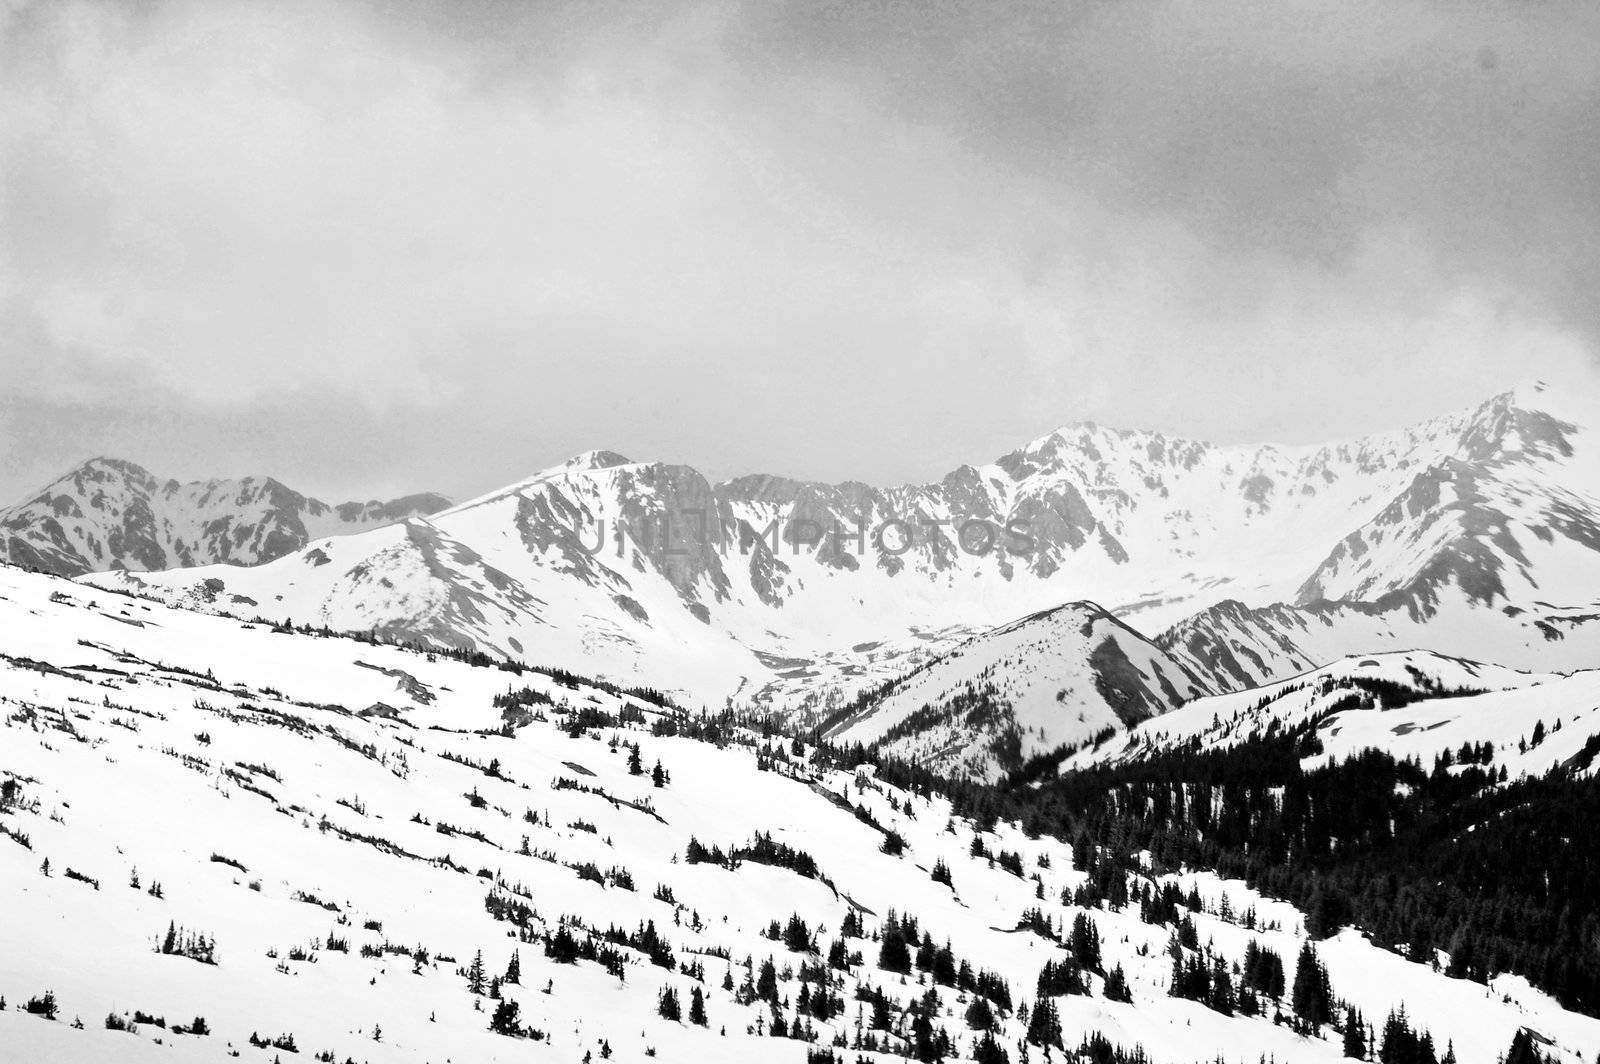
x: 1409, y: 704
x: 110, y: 514
x: 1243, y: 646
x: 1482, y: 526
x: 285, y: 791
x: 1056, y: 678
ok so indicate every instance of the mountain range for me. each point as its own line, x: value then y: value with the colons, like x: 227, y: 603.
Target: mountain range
x: 1207, y: 568
x: 108, y: 514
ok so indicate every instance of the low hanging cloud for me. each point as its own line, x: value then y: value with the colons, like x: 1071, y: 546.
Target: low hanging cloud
x: 375, y: 245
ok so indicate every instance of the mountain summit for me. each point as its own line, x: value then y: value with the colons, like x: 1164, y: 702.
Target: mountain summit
x: 111, y: 514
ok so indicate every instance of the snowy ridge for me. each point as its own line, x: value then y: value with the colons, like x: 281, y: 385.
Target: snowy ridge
x: 110, y: 514
x: 1244, y: 647
x: 338, y: 826
x: 1409, y: 704
x: 1057, y: 678
x: 1476, y: 533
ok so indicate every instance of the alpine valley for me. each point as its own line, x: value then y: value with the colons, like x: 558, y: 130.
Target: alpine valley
x: 1117, y: 749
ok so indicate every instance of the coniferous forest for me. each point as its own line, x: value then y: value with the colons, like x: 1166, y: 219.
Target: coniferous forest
x: 1447, y: 863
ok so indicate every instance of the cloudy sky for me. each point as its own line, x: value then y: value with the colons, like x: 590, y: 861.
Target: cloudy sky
x: 378, y: 247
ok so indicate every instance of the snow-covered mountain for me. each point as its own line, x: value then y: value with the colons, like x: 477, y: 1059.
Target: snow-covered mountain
x: 1057, y: 678
x: 110, y: 514
x: 224, y: 841
x: 1476, y: 533
x: 1414, y: 704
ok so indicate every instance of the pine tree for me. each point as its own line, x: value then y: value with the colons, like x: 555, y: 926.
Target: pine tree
x: 44, y: 1005
x: 697, y: 1007
x: 1522, y: 1050
x: 514, y: 969
x: 667, y: 1005
x: 1117, y: 986
x: 987, y: 1051
x: 767, y: 982
x: 505, y: 1019
x: 475, y: 978
x: 796, y: 936
x: 893, y: 953
x: 635, y: 763
x: 1085, y: 943
x: 1312, y: 997
x: 562, y: 947
x: 1355, y: 1039
x: 1044, y: 1025
x: 658, y: 775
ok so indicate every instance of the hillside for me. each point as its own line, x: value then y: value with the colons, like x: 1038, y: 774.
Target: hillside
x: 1409, y: 704
x: 309, y: 842
x: 1054, y: 679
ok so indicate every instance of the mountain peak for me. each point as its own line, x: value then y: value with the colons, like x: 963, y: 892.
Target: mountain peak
x: 596, y: 459
x: 110, y: 513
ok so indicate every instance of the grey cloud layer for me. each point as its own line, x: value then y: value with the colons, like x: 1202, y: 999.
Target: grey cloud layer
x: 438, y: 245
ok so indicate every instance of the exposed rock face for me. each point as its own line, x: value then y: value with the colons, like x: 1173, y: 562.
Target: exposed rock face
x: 110, y: 514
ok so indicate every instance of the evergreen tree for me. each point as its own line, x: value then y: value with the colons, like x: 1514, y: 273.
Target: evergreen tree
x: 767, y: 982
x: 1355, y: 1035
x: 980, y: 1016
x: 514, y: 969
x: 796, y: 936
x: 44, y: 1005
x: 475, y: 977
x: 1523, y: 1050
x: 1117, y: 986
x: 1312, y: 997
x: 1085, y: 943
x: 893, y: 953
x: 667, y: 1005
x: 1044, y: 1024
x: 504, y: 1020
x: 987, y: 1051
x: 697, y: 1007
x: 562, y: 947
x: 635, y: 762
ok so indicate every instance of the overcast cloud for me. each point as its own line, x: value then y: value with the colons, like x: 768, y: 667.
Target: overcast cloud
x: 373, y: 248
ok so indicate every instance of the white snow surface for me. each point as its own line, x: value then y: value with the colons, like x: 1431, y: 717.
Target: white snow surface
x: 152, y: 740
